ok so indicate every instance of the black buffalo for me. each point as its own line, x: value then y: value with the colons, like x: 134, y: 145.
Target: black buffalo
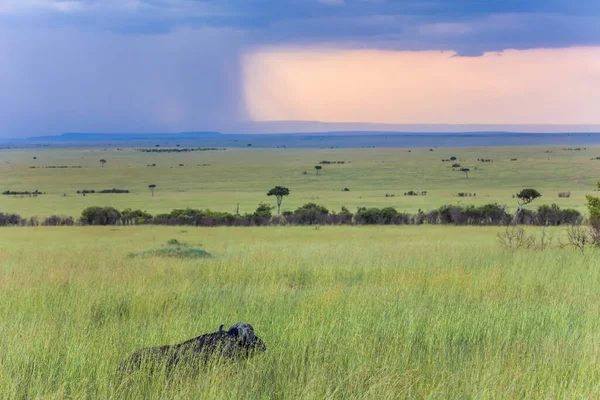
x: 237, y: 342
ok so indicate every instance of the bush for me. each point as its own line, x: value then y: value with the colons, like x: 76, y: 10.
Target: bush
x: 384, y: 216
x: 488, y: 214
x: 100, y: 216
x: 114, y: 191
x: 554, y: 215
x: 15, y: 193
x: 310, y: 214
x: 135, y: 217
x: 564, y: 194
x: 56, y: 220
x: 11, y: 220
x: 344, y: 217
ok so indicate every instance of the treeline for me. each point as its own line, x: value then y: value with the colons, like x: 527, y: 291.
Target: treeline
x: 177, y: 150
x: 17, y: 220
x: 85, y: 191
x: 314, y: 214
x: 58, y: 166
x: 25, y: 193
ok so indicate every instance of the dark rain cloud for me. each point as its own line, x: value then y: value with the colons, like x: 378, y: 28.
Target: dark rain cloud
x: 143, y: 65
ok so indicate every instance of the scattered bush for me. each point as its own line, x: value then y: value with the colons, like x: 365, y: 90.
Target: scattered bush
x: 92, y: 191
x: 564, y: 194
x: 578, y: 237
x: 12, y: 220
x: 15, y: 193
x: 514, y: 238
x: 135, y: 217
x: 384, y: 216
x: 177, y: 150
x: 554, y: 215
x: 56, y: 220
x: 309, y: 214
x: 100, y: 216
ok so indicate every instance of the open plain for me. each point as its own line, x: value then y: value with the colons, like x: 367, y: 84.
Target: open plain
x: 346, y: 312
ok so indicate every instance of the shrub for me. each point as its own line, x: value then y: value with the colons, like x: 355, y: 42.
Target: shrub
x: 56, y: 220
x: 100, y: 216
x: 344, y: 217
x: 310, y: 214
x: 384, y: 216
x: 593, y: 206
x: 11, y: 219
x: 264, y: 210
x: 564, y: 194
x: 114, y: 191
x: 554, y: 215
x: 515, y: 238
x: 25, y: 193
x: 135, y: 217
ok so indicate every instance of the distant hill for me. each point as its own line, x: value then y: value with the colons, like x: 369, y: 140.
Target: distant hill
x: 102, y: 137
x: 313, y: 140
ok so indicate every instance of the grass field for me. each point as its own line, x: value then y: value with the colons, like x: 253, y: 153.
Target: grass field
x: 352, y: 312
x: 245, y: 175
x: 346, y: 312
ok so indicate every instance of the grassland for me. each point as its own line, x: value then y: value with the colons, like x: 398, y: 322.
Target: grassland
x: 346, y: 312
x: 352, y: 312
x: 245, y: 175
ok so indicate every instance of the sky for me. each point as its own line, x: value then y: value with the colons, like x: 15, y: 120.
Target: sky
x: 234, y: 65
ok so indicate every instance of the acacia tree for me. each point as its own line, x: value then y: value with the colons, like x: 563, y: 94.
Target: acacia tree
x: 102, y: 162
x: 279, y: 192
x: 318, y: 168
x: 526, y: 196
x: 466, y: 171
x: 152, y: 187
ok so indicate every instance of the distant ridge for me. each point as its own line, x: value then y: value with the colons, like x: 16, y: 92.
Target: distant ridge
x: 93, y: 137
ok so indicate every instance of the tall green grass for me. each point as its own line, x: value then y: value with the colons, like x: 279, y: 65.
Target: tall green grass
x: 345, y: 312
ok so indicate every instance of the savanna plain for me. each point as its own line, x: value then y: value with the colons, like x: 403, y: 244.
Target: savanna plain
x: 346, y: 312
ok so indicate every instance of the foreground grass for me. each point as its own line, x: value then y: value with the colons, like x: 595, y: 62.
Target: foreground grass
x: 348, y: 312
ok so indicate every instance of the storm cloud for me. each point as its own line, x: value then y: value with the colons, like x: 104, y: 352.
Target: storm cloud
x: 173, y: 65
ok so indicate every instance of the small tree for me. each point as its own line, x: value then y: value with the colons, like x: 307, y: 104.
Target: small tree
x: 452, y: 158
x: 263, y: 210
x: 593, y: 206
x: 102, y: 162
x: 526, y: 196
x: 152, y: 187
x: 466, y: 171
x: 279, y: 192
x: 318, y: 168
